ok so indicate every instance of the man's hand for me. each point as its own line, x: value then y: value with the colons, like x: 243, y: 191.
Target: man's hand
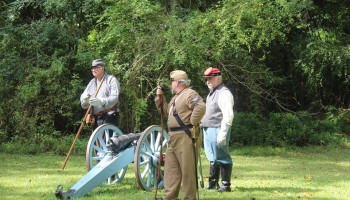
x: 86, y: 99
x: 221, y: 140
x: 95, y: 102
x: 159, y: 90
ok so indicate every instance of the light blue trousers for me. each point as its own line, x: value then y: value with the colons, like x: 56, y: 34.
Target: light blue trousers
x: 214, y: 153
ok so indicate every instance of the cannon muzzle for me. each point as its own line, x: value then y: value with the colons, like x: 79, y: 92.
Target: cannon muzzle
x: 119, y: 143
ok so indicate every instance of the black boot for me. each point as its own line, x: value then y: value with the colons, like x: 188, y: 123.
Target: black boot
x: 226, y: 171
x: 213, y: 177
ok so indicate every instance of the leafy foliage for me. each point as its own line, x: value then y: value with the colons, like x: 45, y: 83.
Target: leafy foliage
x: 280, y: 58
x: 287, y: 129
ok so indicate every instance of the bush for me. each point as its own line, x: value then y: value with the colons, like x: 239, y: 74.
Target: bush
x: 289, y: 129
x: 46, y: 144
x: 249, y: 129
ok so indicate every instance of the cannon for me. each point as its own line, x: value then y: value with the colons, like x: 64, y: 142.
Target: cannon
x: 108, y: 154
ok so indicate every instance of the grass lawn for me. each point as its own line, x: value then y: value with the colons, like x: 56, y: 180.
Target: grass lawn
x: 258, y: 173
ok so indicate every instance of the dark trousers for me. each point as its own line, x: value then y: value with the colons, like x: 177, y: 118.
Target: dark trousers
x: 107, y: 118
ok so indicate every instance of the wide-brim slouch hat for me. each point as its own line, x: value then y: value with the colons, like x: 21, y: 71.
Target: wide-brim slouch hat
x: 178, y: 75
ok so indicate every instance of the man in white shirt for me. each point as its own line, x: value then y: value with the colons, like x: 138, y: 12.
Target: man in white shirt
x: 104, y: 104
x: 216, y: 125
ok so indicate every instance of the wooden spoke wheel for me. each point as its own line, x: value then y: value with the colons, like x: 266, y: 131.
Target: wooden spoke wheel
x: 147, y: 155
x: 97, y: 149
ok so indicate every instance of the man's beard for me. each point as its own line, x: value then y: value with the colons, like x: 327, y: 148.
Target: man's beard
x: 210, y: 87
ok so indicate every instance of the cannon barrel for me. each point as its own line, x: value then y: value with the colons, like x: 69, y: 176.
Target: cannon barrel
x: 119, y: 143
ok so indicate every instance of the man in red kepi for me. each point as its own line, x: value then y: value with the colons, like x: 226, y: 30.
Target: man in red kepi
x: 216, y: 125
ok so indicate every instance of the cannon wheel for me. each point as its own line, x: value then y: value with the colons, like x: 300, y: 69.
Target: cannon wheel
x: 146, y: 157
x: 97, y: 149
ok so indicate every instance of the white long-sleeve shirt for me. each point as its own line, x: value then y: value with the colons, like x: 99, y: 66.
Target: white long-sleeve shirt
x: 108, y: 93
x: 225, y: 103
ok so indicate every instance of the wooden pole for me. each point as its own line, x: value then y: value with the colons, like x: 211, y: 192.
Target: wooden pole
x: 81, y: 127
x: 161, y: 143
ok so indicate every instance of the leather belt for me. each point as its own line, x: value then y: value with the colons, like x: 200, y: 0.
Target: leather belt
x: 97, y: 115
x: 181, y: 128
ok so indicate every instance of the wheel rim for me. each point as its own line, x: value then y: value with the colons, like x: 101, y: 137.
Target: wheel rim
x: 97, y: 149
x: 147, y: 156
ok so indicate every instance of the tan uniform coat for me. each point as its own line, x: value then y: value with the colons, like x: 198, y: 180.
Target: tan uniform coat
x: 180, y: 162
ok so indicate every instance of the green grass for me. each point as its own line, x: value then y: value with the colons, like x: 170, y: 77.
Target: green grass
x: 258, y: 173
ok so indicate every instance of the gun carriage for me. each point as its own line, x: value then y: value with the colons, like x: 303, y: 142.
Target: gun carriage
x: 108, y: 154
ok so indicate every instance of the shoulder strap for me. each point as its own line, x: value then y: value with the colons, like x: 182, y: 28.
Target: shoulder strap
x: 181, y: 123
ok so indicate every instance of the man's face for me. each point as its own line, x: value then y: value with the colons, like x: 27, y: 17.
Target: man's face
x: 173, y: 84
x: 97, y: 71
x: 212, y: 82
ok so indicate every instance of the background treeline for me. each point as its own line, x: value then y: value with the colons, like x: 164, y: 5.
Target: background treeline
x: 287, y: 62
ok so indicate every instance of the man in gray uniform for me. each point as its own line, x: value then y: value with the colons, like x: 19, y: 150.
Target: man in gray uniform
x: 216, y: 125
x: 105, y: 107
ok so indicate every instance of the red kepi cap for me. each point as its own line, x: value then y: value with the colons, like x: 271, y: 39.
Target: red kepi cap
x: 211, y: 71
